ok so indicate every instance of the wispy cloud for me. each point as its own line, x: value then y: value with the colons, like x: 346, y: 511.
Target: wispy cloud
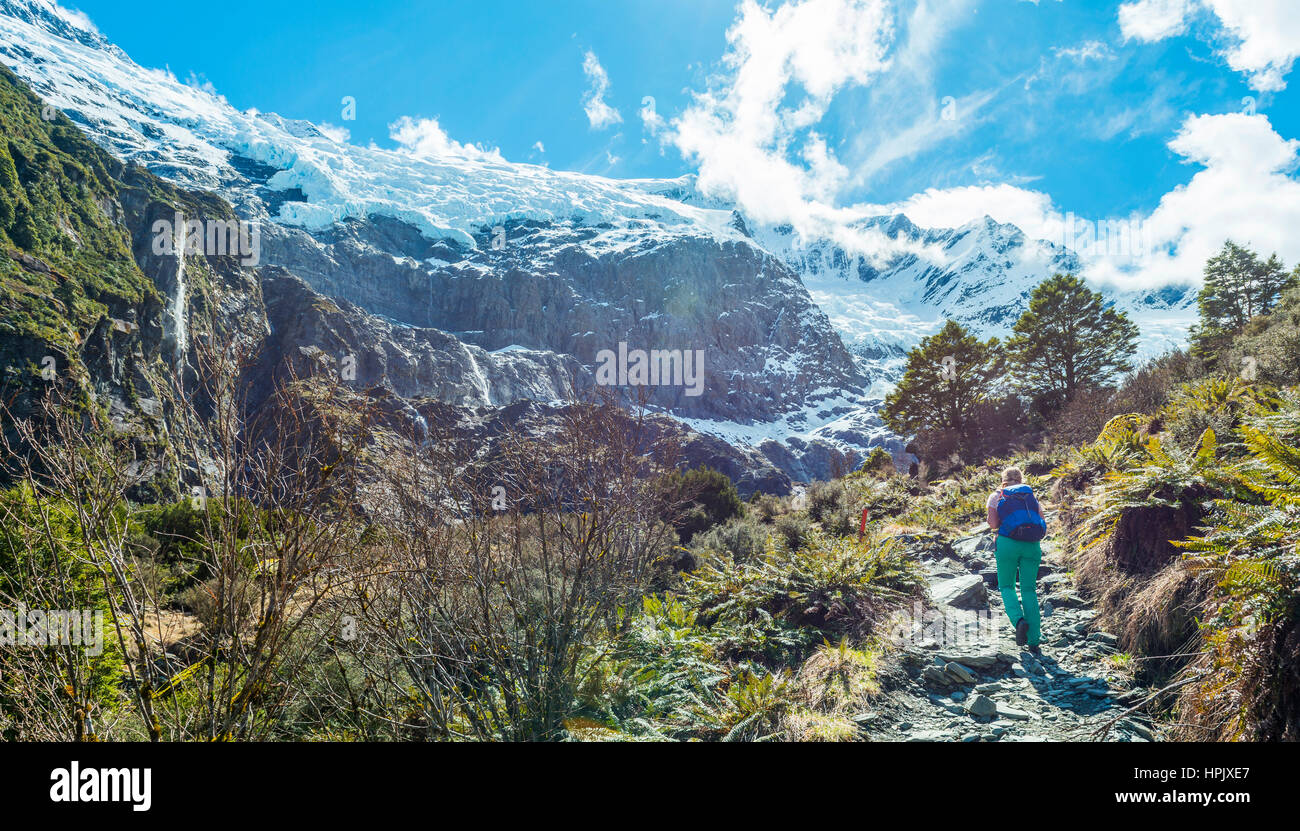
x: 599, y: 114
x: 753, y: 133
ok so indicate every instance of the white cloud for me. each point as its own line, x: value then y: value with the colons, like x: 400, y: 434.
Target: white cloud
x: 1268, y: 38
x: 339, y: 135
x: 1244, y: 191
x: 424, y: 137
x: 76, y: 17
x: 1264, y: 35
x: 783, y: 68
x: 1029, y: 210
x: 909, y: 114
x: 1089, y: 50
x: 539, y: 147
x: 599, y: 114
x: 1152, y: 20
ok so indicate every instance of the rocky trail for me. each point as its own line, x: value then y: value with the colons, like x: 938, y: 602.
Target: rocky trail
x: 961, y: 677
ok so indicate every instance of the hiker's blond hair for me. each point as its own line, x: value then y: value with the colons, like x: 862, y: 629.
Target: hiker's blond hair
x: 1012, y: 476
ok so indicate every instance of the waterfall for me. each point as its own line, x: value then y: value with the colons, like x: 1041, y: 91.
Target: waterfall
x: 178, y: 302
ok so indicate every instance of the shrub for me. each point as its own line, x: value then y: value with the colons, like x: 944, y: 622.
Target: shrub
x: 698, y: 500
x: 792, y: 530
x: 743, y: 538
x: 824, y: 497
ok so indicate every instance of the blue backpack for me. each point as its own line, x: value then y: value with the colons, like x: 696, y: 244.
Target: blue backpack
x: 1019, y: 516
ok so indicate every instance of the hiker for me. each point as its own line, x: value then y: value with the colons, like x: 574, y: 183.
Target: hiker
x: 1015, y: 514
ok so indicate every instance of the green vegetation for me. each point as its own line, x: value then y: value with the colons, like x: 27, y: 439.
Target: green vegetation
x: 955, y: 396
x: 337, y: 581
x: 699, y: 499
x: 1068, y: 341
x: 1238, y: 287
x: 58, y: 193
x: 948, y: 388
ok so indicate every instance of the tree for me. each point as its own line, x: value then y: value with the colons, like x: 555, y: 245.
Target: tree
x: 1237, y: 287
x: 949, y: 377
x: 1067, y: 341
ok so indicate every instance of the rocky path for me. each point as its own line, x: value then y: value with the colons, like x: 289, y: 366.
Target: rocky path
x: 960, y: 676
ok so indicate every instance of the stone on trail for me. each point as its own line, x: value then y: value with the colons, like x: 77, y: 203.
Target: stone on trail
x: 973, y: 661
x: 981, y: 705
x: 1005, y: 711
x: 967, y: 592
x: 935, y: 676
x: 960, y: 673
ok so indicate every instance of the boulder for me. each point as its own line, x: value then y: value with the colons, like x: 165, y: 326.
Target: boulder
x: 974, y: 661
x: 981, y: 705
x: 959, y: 673
x: 966, y: 592
x: 935, y: 676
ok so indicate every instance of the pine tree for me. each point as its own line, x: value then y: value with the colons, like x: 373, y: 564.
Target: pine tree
x: 1067, y: 341
x: 1237, y: 287
x: 949, y: 376
x: 1271, y: 281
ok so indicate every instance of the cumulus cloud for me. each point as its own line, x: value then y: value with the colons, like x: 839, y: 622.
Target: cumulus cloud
x: 1152, y: 20
x: 1245, y: 190
x: 599, y: 114
x: 1029, y: 210
x: 751, y: 135
x: 338, y: 135
x: 1264, y: 35
x: 424, y: 138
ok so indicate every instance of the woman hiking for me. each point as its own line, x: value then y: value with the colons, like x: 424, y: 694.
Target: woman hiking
x: 1015, y: 514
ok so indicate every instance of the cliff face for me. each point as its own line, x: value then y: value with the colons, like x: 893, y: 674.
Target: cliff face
x: 574, y: 291
x: 94, y: 305
x: 463, y: 278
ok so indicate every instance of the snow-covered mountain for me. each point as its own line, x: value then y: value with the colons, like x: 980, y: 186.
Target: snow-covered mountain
x: 897, y: 283
x: 518, y: 276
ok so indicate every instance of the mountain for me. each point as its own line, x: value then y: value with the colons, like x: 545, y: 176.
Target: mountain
x: 911, y: 279
x: 482, y: 284
x: 514, y: 265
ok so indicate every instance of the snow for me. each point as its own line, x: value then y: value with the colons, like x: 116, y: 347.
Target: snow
x: 191, y: 136
x: 980, y: 273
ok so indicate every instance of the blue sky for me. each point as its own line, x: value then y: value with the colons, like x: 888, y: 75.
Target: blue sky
x: 1033, y: 108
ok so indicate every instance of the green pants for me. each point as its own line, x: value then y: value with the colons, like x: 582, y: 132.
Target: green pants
x: 1023, y: 556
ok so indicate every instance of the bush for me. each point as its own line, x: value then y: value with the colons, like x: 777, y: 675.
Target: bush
x: 825, y: 497
x: 744, y: 538
x: 767, y: 507
x: 1148, y: 389
x: 793, y: 530
x: 698, y: 500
